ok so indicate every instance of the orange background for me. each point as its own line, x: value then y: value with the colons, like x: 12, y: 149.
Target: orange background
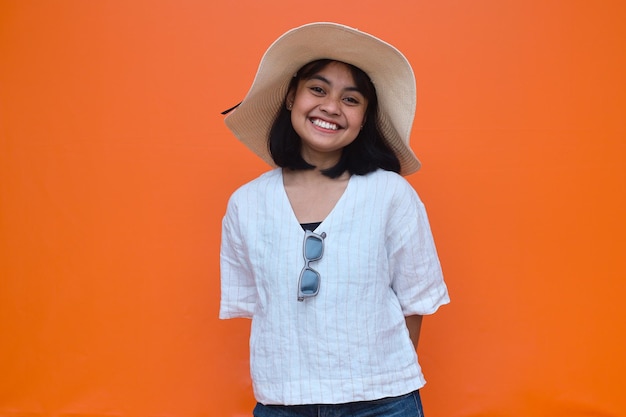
x: 115, y: 168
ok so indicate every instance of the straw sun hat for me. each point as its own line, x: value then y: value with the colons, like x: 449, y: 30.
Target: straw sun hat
x: 388, y: 69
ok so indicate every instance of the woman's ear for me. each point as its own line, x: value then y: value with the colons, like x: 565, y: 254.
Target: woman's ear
x: 291, y: 96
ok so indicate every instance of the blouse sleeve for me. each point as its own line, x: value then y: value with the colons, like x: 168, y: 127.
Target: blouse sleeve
x: 239, y: 295
x: 417, y: 278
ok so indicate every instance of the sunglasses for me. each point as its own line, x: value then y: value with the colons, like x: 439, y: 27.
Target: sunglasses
x: 313, y: 250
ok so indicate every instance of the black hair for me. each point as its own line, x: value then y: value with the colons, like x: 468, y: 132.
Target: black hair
x: 367, y: 153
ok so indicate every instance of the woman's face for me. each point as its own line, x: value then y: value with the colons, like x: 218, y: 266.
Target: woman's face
x: 327, y: 112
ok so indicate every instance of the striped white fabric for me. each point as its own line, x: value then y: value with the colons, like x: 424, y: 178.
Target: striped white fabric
x: 350, y: 342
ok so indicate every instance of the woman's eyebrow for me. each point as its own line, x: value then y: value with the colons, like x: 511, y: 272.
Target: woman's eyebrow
x: 324, y: 80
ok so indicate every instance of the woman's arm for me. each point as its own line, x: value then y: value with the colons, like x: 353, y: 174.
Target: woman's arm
x: 414, y: 324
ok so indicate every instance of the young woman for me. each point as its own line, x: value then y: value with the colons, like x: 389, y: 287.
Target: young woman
x: 330, y: 253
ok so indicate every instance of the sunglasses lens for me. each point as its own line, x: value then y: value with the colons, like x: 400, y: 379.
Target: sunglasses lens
x: 309, y: 282
x: 313, y: 248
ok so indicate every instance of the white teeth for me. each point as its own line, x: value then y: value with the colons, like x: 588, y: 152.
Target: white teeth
x: 324, y: 125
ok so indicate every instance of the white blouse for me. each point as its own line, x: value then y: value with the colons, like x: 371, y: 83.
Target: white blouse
x: 350, y: 342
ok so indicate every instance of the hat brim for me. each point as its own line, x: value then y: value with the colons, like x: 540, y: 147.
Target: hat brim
x: 388, y: 69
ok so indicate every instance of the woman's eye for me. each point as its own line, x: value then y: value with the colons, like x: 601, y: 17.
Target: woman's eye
x: 351, y: 100
x: 318, y: 90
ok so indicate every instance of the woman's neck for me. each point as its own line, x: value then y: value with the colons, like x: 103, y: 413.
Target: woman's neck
x: 310, y: 177
x: 312, y: 194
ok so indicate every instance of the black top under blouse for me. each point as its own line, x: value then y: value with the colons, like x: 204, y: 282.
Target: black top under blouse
x: 310, y: 226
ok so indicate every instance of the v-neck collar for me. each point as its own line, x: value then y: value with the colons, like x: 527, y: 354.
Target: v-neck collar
x: 294, y: 219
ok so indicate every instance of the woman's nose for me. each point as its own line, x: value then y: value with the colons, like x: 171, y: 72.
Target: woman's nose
x: 331, y: 105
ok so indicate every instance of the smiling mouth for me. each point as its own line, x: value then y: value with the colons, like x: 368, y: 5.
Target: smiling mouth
x: 324, y: 125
